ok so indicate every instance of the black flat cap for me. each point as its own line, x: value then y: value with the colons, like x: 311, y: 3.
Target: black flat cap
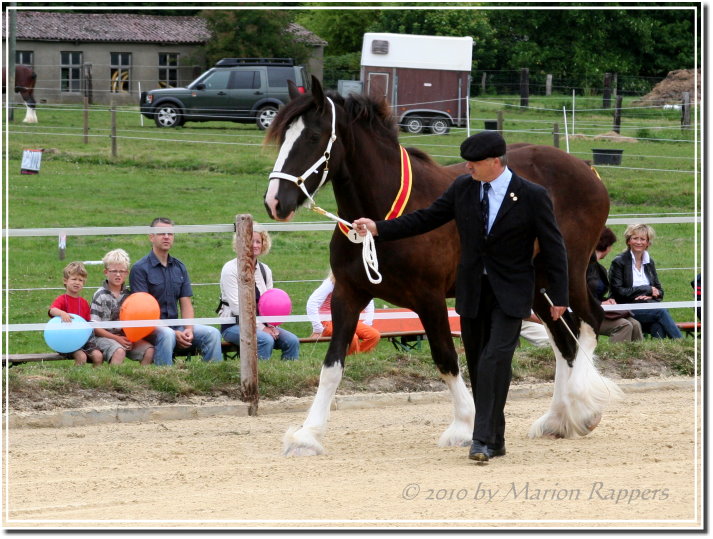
x: 482, y: 145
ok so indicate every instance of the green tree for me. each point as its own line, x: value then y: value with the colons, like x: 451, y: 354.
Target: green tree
x: 252, y: 34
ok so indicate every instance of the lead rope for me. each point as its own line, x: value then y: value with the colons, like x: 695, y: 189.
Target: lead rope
x: 368, y: 246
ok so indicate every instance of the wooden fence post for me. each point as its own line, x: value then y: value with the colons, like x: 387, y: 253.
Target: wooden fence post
x: 685, y: 110
x: 548, y: 84
x: 556, y: 135
x: 483, y: 82
x: 113, y: 131
x: 524, y: 87
x: 606, y: 102
x: 246, y: 297
x: 501, y: 121
x: 617, y: 115
x: 86, y: 120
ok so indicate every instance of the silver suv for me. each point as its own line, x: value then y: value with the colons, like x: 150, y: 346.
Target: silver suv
x: 243, y: 90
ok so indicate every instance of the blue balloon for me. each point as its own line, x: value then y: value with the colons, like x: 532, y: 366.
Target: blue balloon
x: 71, y: 337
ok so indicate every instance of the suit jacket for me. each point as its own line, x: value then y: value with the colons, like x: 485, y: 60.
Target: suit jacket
x: 621, y: 279
x: 506, y: 253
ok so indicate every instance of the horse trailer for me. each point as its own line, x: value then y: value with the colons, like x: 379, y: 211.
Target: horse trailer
x: 426, y: 79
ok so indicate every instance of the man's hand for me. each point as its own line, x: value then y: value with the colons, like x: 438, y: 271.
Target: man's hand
x: 556, y: 311
x: 363, y: 224
x: 185, y: 337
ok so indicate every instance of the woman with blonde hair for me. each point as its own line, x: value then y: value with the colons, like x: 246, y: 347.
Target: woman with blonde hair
x: 269, y: 337
x: 633, y: 279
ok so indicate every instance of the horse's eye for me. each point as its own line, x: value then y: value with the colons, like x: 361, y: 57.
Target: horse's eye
x: 313, y: 137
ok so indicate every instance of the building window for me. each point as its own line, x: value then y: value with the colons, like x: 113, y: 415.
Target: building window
x: 120, y: 68
x: 71, y: 71
x: 25, y: 58
x: 168, y: 69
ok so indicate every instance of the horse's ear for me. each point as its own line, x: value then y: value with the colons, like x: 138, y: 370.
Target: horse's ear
x: 318, y: 93
x: 292, y: 90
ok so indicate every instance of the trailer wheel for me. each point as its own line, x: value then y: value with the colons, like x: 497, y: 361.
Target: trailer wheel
x: 440, y: 126
x: 413, y: 125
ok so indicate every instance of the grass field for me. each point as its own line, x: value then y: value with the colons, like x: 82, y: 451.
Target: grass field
x: 207, y: 173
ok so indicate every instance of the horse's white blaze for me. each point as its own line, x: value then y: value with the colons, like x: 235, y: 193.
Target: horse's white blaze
x: 580, y: 395
x: 307, y: 439
x: 291, y: 135
x: 460, y: 431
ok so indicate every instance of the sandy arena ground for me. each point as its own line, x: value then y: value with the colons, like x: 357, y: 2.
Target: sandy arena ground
x: 640, y: 468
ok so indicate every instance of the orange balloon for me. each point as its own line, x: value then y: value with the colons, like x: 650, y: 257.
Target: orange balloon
x: 139, y: 306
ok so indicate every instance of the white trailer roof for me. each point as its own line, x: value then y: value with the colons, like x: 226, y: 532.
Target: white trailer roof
x: 418, y: 52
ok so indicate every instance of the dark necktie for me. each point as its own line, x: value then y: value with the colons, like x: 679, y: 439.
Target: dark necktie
x: 485, y: 208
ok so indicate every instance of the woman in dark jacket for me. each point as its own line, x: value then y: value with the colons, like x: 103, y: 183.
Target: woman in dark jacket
x: 633, y: 279
x: 621, y: 326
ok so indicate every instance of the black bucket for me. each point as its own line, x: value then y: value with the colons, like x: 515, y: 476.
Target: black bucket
x: 491, y: 125
x: 607, y: 157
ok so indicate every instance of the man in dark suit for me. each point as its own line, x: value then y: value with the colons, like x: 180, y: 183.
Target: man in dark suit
x: 499, y: 216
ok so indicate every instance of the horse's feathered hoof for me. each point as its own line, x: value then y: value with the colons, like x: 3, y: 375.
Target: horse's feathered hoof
x: 453, y: 437
x: 593, y: 423
x: 301, y: 442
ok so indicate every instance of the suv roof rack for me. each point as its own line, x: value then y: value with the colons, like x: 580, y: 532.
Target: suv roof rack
x: 230, y: 62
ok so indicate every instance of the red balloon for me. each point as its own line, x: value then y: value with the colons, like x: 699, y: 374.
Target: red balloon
x: 274, y: 302
x: 139, y: 306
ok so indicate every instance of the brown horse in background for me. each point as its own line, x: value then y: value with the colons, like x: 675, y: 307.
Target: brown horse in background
x: 25, y: 79
x: 353, y: 143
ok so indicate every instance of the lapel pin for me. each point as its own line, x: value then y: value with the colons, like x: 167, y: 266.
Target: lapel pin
x: 514, y: 198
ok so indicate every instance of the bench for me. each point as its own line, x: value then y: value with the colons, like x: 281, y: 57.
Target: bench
x: 405, y: 334
x: 689, y: 328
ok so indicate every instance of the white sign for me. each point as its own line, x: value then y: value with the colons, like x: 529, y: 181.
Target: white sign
x: 31, y: 161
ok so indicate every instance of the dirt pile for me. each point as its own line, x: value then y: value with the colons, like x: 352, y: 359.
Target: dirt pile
x: 670, y: 90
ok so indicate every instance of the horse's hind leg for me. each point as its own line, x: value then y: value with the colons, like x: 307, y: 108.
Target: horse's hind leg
x: 460, y: 431
x: 581, y: 393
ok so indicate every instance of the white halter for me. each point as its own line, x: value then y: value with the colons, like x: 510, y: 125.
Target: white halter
x: 300, y: 180
x: 368, y: 253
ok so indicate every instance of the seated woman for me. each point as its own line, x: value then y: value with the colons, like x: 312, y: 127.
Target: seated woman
x: 621, y: 326
x: 633, y: 279
x: 269, y: 337
x: 319, y: 303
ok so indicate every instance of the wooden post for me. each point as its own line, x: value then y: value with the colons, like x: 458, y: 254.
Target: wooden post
x: 606, y: 102
x: 556, y: 135
x: 86, y: 119
x: 524, y: 87
x: 12, y: 45
x: 246, y: 297
x: 548, y: 84
x: 113, y: 131
x: 617, y: 115
x: 501, y: 121
x: 685, y: 110
x: 483, y: 82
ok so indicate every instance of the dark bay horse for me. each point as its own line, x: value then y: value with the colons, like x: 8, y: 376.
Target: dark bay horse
x: 25, y: 80
x: 353, y: 143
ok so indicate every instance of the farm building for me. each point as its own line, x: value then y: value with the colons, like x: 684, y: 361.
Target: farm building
x: 109, y: 55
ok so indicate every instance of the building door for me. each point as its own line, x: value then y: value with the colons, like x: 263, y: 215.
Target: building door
x: 378, y: 85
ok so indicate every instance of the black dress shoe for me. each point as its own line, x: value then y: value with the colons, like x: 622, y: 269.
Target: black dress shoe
x: 479, y: 452
x: 496, y: 451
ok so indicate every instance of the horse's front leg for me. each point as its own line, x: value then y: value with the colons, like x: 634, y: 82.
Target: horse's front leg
x: 307, y: 439
x: 435, y: 321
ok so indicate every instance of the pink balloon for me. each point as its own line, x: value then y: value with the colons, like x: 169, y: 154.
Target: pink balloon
x: 274, y: 302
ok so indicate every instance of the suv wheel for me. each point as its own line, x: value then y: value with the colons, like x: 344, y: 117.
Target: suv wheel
x: 168, y: 115
x: 413, y: 125
x: 265, y: 116
x: 440, y: 126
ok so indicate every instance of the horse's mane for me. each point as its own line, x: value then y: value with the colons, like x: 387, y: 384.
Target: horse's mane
x: 372, y: 114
